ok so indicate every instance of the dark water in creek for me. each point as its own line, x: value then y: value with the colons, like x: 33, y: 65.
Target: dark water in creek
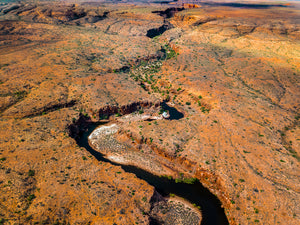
x: 174, y: 113
x: 212, y: 212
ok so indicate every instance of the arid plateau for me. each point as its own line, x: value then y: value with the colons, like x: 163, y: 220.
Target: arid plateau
x: 148, y: 112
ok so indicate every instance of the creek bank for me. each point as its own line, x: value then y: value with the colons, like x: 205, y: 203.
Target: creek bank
x: 173, y: 210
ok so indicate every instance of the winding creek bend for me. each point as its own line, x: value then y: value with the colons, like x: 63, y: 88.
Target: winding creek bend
x: 212, y: 212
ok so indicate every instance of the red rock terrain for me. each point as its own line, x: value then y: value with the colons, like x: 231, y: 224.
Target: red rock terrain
x: 232, y: 72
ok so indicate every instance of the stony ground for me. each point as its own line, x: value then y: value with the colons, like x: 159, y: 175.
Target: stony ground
x: 233, y: 73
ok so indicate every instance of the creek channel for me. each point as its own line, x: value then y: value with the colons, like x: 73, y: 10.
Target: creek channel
x: 196, y: 193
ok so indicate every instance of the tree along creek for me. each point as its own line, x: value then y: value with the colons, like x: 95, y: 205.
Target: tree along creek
x: 212, y: 212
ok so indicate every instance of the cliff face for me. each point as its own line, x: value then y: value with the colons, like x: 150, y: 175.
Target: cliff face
x: 230, y: 76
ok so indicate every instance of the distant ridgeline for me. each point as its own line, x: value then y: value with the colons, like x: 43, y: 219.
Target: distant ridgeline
x: 248, y: 4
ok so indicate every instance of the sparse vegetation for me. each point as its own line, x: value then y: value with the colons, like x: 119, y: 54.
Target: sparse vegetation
x: 30, y: 198
x: 186, y: 180
x: 31, y: 173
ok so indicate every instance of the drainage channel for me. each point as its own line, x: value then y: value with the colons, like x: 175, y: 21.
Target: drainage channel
x: 196, y: 193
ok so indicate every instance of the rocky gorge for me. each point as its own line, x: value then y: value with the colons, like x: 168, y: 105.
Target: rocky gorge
x: 198, y: 98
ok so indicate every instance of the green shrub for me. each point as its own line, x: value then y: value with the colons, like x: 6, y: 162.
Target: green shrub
x: 30, y: 198
x: 2, y: 221
x: 31, y: 173
x: 186, y: 180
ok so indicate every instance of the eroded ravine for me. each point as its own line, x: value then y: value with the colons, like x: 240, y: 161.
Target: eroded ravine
x: 195, y: 193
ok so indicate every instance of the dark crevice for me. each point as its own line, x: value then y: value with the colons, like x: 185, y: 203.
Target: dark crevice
x: 59, y: 106
x: 158, y: 31
x: 166, y: 14
x: 53, y: 108
x: 18, y: 97
x: 201, y: 22
x: 169, y: 13
x: 71, y: 14
x: 153, y: 221
x: 164, y: 2
x: 124, y: 69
